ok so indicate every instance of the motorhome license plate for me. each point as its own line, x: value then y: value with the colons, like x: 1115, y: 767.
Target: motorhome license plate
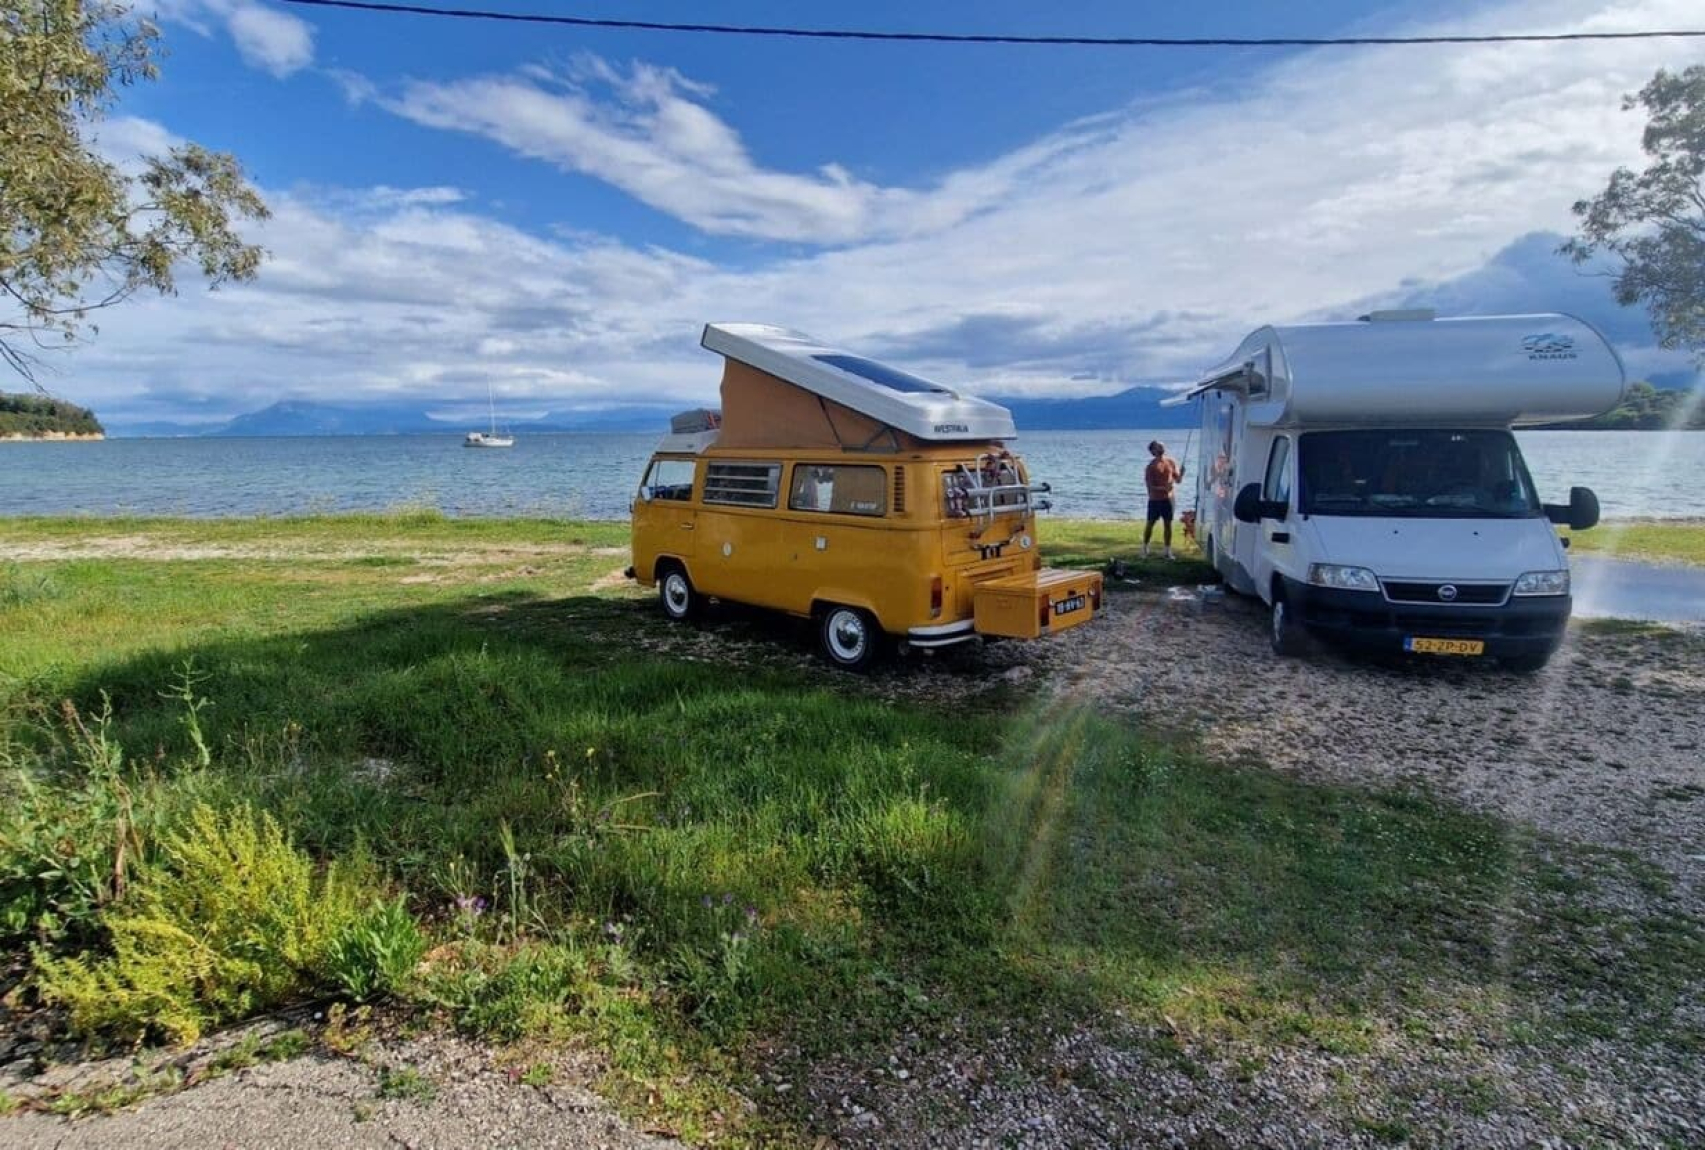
x: 1445, y: 646
x: 1069, y: 604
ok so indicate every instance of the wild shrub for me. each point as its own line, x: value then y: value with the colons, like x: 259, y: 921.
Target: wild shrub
x: 376, y: 953
x: 505, y: 993
x: 229, y: 920
x: 70, y: 832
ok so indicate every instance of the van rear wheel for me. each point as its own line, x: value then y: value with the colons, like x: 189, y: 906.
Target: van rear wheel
x: 850, y: 638
x: 681, y: 601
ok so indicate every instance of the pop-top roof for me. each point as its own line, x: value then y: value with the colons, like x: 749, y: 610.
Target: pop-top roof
x: 1504, y: 370
x: 919, y: 407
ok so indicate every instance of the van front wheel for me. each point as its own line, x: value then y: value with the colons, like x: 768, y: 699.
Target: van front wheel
x: 1289, y: 638
x: 680, y: 599
x: 850, y: 638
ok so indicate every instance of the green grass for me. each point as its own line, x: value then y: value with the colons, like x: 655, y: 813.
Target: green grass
x: 1096, y: 542
x: 689, y: 861
x: 1667, y: 542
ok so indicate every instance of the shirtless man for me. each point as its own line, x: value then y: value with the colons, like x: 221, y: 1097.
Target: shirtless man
x: 1161, y: 476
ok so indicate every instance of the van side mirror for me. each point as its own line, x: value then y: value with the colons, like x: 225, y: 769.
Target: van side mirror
x: 1249, y: 507
x: 645, y: 493
x: 1580, y: 513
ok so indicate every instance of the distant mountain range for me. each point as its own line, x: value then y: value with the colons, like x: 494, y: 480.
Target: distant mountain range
x: 1135, y: 407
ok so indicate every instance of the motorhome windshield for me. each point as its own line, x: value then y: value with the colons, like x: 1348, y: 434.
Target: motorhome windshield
x: 1419, y: 474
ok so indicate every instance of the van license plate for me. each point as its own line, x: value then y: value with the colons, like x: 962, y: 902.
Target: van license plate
x: 1069, y: 604
x: 1445, y: 646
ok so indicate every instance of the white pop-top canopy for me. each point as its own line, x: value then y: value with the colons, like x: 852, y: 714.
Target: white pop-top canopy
x: 918, y: 407
x: 1505, y: 371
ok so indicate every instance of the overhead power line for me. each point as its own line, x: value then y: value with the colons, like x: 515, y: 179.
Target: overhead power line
x: 987, y: 38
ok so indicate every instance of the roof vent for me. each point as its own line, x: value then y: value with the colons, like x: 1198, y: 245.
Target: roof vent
x: 1399, y: 315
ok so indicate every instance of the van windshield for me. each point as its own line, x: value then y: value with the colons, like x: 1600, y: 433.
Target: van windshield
x: 1420, y: 474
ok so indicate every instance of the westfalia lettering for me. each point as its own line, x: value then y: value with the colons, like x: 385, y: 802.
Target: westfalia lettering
x: 949, y: 428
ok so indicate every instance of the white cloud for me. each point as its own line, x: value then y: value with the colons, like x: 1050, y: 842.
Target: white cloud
x: 649, y: 132
x: 266, y: 38
x: 1137, y: 246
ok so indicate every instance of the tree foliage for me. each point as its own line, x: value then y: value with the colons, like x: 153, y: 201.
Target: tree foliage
x: 1653, y: 222
x: 1645, y: 408
x: 77, y: 232
x: 39, y: 415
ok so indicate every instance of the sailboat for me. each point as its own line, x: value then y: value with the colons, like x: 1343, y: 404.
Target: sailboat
x: 489, y: 438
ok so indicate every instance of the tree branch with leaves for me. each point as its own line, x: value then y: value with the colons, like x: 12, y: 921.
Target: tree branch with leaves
x: 77, y: 233
x: 1652, y: 223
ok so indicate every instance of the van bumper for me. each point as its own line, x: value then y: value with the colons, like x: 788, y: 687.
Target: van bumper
x: 943, y: 635
x: 1366, y: 619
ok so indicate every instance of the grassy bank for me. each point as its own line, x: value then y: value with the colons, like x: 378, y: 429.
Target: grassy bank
x: 553, y: 815
x: 1661, y: 541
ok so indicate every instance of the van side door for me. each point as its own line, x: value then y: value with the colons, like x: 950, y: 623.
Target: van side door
x: 1273, y: 548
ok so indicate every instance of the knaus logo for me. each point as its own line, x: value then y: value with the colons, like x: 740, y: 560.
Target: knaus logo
x: 1549, y: 346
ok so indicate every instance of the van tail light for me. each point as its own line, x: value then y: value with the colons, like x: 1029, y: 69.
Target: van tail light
x: 1095, y: 598
x: 1044, y: 613
x: 935, y: 597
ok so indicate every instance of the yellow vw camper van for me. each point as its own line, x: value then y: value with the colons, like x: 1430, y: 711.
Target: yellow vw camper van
x: 829, y: 486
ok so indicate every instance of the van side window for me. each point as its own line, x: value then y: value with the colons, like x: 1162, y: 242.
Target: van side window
x: 838, y: 488
x: 670, y: 479
x: 1277, y: 488
x: 742, y: 484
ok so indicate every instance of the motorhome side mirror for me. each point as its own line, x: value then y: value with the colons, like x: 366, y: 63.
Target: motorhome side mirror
x: 1580, y: 513
x: 1247, y: 507
x: 1583, y: 508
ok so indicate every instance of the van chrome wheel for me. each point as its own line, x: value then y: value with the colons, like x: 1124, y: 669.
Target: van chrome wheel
x: 850, y: 638
x: 675, y: 591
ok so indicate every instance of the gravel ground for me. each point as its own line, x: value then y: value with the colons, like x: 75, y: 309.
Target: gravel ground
x: 429, y: 1091
x: 1605, y: 746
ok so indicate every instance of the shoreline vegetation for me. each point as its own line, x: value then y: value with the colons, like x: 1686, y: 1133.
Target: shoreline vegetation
x: 37, y: 417
x: 462, y: 771
x: 1645, y: 408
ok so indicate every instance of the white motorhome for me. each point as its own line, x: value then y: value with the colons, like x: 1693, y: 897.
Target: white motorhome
x: 1362, y: 479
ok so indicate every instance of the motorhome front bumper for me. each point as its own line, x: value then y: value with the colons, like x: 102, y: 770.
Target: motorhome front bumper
x: 1520, y: 626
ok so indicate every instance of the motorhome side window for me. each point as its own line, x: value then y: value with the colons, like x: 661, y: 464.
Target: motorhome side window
x: 670, y: 479
x: 1477, y: 473
x: 839, y: 489
x: 742, y: 484
x: 1277, y: 488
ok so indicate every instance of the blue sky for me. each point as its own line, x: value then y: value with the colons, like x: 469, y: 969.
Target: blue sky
x: 555, y: 211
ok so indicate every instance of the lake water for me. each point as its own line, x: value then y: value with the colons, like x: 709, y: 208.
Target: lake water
x: 1093, y: 473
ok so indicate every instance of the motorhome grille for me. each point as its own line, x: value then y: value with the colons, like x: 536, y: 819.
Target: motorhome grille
x: 742, y: 484
x: 899, y: 490
x: 1467, y: 594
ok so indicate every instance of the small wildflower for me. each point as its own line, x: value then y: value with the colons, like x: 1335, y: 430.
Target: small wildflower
x: 590, y: 751
x: 728, y: 899
x: 613, y: 931
x: 705, y: 902
x: 751, y: 914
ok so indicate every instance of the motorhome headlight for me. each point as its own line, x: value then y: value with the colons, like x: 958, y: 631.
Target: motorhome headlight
x: 1342, y: 578
x: 1543, y: 583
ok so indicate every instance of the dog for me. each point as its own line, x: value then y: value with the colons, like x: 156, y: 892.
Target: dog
x: 1188, y: 520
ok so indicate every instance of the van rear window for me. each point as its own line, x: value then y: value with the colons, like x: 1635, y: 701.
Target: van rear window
x: 742, y: 484
x: 839, y: 489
